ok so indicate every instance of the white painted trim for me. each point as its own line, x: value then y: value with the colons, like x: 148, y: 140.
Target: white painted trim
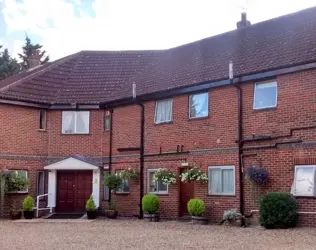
x: 276, y: 95
x: 52, y: 185
x: 230, y: 167
x: 96, y: 186
x: 71, y: 164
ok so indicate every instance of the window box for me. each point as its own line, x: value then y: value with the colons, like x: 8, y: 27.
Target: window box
x: 221, y: 180
x: 75, y: 122
x: 198, y: 106
x: 163, y: 111
x: 265, y: 95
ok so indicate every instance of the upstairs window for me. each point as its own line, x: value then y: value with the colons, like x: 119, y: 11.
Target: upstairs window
x: 42, y: 119
x: 75, y: 122
x: 304, y: 180
x: 107, y: 121
x: 163, y: 112
x: 265, y: 95
x: 198, y: 105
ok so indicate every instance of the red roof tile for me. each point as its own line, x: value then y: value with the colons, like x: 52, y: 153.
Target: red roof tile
x: 90, y: 77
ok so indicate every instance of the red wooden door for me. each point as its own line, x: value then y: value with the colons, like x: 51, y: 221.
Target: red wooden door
x: 73, y: 190
x: 186, y: 193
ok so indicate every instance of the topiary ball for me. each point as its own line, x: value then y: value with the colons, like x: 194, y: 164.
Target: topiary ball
x: 278, y: 210
x: 150, y: 204
x: 196, y: 207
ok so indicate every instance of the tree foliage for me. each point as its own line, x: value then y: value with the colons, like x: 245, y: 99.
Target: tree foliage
x: 8, y: 65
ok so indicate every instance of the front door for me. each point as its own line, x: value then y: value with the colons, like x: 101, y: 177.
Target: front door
x: 186, y: 193
x: 73, y: 190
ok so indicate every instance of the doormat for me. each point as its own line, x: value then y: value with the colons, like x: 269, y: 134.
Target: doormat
x: 66, y: 216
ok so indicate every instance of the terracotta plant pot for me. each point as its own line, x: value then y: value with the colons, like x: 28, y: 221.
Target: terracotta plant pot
x: 111, y: 214
x: 28, y: 215
x: 151, y: 217
x: 200, y: 220
x: 91, y: 215
x: 15, y: 215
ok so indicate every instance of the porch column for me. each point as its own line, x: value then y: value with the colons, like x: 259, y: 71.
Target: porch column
x: 96, y: 186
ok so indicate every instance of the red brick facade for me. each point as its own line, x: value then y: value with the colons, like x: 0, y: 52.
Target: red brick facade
x: 211, y: 142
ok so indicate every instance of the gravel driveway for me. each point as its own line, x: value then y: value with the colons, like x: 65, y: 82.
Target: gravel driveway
x: 134, y: 234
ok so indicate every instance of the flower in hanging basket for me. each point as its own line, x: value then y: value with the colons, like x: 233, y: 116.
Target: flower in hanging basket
x: 165, y: 176
x: 130, y: 174
x: 194, y: 174
x: 259, y: 175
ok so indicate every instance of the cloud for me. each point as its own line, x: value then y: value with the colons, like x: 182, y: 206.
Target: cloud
x: 65, y: 27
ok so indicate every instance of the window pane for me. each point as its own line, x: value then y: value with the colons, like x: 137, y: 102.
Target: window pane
x: 14, y: 180
x: 265, y: 95
x: 162, y: 187
x: 215, y: 181
x: 228, y: 181
x: 163, y: 111
x: 68, y: 122
x: 106, y: 193
x: 40, y: 183
x: 152, y: 183
x: 82, y: 123
x: 199, y: 105
x: 304, y: 181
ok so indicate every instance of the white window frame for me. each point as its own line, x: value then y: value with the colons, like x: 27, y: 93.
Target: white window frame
x: 76, y: 114
x: 254, y: 95
x: 314, y: 178
x: 37, y: 183
x: 229, y: 167
x: 148, y: 183
x: 198, y: 117
x: 107, y: 115
x: 44, y: 117
x: 171, y: 107
x: 123, y: 192
x: 27, y: 179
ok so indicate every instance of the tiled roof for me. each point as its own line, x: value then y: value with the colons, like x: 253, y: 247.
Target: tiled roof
x: 96, y: 76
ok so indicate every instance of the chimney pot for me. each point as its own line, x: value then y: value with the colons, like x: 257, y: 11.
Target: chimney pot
x: 35, y: 59
x: 243, y: 22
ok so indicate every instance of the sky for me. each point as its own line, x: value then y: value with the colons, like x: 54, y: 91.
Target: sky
x: 64, y: 27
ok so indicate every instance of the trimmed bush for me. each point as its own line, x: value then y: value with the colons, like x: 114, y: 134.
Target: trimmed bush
x: 90, y: 204
x: 278, y: 210
x: 150, y: 204
x: 28, y: 203
x: 196, y: 207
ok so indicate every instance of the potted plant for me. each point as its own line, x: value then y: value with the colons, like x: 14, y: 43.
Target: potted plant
x: 114, y: 182
x: 15, y: 213
x: 234, y: 218
x: 150, y: 205
x: 194, y: 174
x: 91, y: 209
x: 165, y: 176
x: 196, y: 209
x: 28, y: 206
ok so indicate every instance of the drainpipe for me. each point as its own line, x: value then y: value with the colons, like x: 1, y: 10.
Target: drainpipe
x: 141, y: 158
x: 110, y: 146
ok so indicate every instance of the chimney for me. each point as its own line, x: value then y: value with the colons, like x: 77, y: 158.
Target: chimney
x: 34, y: 60
x: 243, y: 22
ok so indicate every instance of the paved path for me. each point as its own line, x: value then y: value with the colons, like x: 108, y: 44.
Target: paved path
x: 134, y: 234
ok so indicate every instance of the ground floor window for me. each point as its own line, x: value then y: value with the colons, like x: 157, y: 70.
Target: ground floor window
x: 106, y: 190
x: 155, y: 187
x: 125, y: 186
x: 40, y: 183
x: 17, y: 181
x: 304, y: 180
x: 221, y: 180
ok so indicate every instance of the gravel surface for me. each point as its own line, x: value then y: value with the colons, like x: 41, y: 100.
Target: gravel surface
x: 134, y: 234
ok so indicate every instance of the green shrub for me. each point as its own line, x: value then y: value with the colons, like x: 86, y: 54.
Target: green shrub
x: 150, y: 203
x: 90, y: 205
x: 28, y: 203
x: 113, y: 181
x: 277, y: 210
x: 196, y: 207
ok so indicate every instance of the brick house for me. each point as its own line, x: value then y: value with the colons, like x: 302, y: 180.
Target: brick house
x: 65, y: 123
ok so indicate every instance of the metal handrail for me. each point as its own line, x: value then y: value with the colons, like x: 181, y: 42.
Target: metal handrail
x: 37, y: 204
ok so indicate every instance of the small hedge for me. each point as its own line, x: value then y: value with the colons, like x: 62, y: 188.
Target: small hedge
x: 150, y: 204
x: 277, y: 210
x: 90, y: 204
x: 28, y: 203
x: 196, y: 207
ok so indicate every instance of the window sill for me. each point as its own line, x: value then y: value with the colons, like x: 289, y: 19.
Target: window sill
x: 264, y: 109
x: 198, y: 118
x: 222, y: 195
x: 75, y: 134
x: 42, y: 130
x: 163, y: 123
x: 18, y: 192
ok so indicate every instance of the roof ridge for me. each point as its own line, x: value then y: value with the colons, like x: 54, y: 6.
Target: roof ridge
x: 36, y: 73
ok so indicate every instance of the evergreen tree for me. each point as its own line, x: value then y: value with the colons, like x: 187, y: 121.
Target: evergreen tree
x: 8, y: 65
x: 28, y: 49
